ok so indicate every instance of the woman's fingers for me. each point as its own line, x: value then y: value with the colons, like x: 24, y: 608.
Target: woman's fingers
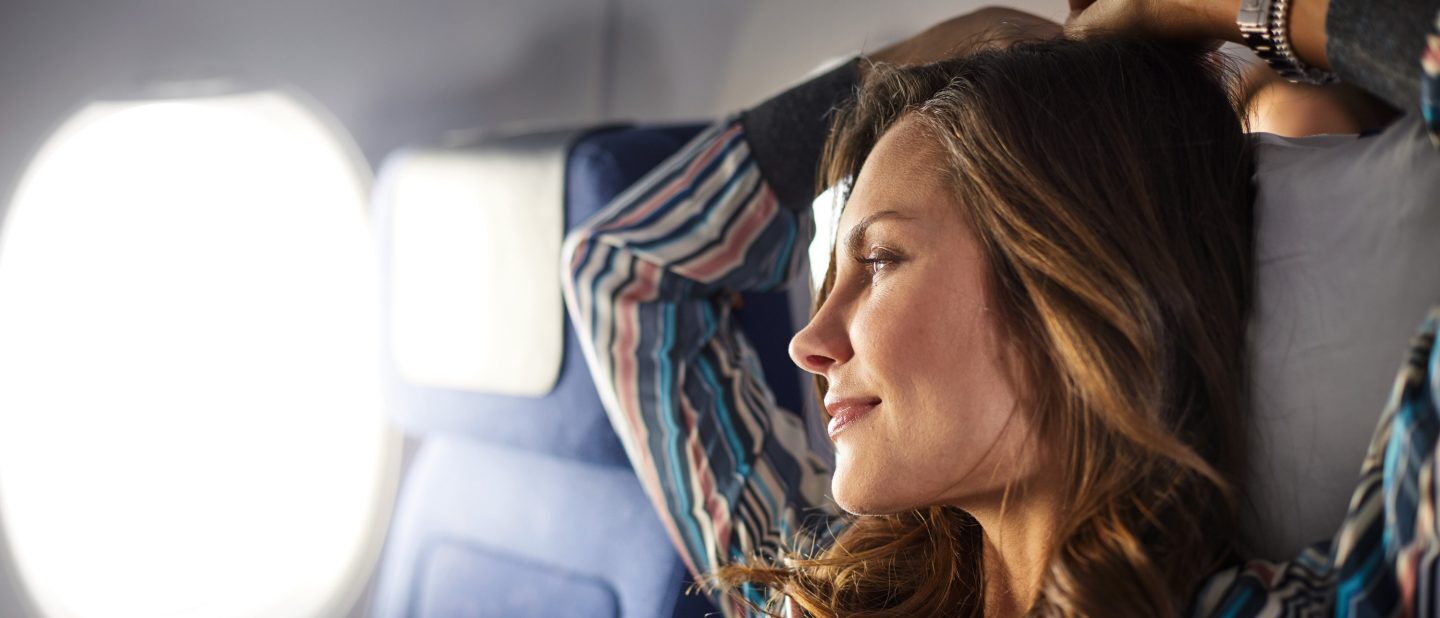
x: 961, y: 35
x: 1175, y: 20
x: 1089, y: 17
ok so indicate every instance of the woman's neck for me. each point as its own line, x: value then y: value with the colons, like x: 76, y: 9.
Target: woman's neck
x: 1019, y: 535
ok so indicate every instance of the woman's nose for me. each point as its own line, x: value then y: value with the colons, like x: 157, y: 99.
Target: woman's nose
x: 820, y: 345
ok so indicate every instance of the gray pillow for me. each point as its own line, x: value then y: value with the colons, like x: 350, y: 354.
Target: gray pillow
x: 1348, y: 244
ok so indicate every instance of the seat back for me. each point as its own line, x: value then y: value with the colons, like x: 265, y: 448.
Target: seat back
x: 519, y: 499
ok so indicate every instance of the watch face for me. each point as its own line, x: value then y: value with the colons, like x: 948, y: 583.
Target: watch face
x: 1253, y: 13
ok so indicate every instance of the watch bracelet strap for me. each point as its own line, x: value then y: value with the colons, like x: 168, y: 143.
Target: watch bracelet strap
x: 1270, y: 40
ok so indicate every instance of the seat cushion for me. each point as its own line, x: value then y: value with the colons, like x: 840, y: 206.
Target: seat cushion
x: 1347, y: 243
x: 487, y: 526
x: 461, y: 580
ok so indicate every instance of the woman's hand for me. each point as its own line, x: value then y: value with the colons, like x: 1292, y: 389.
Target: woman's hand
x: 1175, y: 20
x: 1196, y: 20
x: 958, y: 36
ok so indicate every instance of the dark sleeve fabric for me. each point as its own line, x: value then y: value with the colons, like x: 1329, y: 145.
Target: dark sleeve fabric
x: 787, y: 133
x: 1376, y: 45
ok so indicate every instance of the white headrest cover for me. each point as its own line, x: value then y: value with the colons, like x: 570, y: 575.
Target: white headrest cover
x: 474, y: 234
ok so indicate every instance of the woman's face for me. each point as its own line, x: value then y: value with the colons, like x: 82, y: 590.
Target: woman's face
x: 910, y: 339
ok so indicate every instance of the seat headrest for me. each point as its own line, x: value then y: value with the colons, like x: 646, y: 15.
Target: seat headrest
x: 470, y: 239
x: 1345, y: 250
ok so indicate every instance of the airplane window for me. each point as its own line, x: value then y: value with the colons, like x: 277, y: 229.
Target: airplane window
x: 190, y: 416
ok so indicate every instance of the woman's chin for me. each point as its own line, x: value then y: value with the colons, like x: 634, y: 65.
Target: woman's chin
x: 864, y: 498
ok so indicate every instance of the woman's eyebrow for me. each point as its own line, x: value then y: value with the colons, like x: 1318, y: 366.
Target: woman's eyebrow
x: 855, y: 240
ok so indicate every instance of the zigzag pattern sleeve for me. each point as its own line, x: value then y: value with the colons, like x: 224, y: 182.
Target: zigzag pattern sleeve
x: 648, y: 283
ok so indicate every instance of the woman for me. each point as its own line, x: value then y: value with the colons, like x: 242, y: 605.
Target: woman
x: 1056, y: 315
x: 1029, y: 342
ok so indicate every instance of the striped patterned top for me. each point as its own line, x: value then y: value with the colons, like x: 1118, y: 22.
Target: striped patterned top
x: 649, y: 281
x: 1430, y: 81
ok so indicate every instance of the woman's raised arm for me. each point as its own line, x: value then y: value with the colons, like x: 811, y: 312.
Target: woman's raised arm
x: 1374, y: 45
x: 649, y: 282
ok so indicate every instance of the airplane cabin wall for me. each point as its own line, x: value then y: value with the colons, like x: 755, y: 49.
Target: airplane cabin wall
x: 687, y: 59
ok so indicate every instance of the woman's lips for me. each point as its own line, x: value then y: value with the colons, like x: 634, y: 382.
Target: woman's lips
x: 847, y: 411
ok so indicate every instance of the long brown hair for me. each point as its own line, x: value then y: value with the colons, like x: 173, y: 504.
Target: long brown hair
x: 1108, y: 182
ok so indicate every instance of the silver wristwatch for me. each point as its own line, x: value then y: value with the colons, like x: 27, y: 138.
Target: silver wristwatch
x: 1264, y: 24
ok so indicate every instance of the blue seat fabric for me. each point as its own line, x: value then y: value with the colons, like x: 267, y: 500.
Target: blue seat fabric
x: 519, y: 506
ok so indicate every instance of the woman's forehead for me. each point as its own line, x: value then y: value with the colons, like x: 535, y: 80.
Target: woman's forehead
x: 906, y: 172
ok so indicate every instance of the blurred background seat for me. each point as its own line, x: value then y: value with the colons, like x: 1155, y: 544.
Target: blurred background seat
x: 518, y: 499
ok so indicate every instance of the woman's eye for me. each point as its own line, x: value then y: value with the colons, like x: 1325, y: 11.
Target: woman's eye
x: 874, y: 265
x: 876, y: 262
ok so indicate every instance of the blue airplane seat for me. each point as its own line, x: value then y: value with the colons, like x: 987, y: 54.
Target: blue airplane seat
x: 607, y: 163
x: 519, y: 500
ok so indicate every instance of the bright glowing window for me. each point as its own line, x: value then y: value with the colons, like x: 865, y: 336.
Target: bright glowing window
x: 190, y: 418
